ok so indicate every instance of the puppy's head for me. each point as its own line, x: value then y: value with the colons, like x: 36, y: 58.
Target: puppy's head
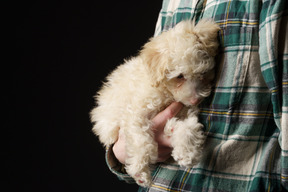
x: 182, y: 60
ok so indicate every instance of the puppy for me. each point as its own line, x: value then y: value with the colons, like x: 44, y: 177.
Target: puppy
x: 177, y: 65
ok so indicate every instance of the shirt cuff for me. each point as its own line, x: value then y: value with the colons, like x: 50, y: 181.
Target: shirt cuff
x: 116, y: 167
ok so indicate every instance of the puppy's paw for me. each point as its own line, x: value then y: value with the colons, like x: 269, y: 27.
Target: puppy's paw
x: 199, y: 127
x: 187, y: 156
x: 170, y: 126
x: 198, y: 136
x: 184, y: 162
x: 187, y: 160
x: 183, y: 159
x: 143, y: 179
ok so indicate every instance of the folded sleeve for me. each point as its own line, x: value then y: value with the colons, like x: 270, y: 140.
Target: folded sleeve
x: 116, y: 167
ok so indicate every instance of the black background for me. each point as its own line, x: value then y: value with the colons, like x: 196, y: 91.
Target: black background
x: 65, y: 49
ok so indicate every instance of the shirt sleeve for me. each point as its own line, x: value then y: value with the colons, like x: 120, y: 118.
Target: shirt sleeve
x: 116, y: 167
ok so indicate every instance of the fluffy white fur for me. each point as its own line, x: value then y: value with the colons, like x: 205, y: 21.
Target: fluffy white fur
x: 174, y: 66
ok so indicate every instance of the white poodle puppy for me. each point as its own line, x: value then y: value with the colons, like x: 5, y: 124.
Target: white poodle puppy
x: 177, y: 65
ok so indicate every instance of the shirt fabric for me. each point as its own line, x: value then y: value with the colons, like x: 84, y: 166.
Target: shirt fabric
x: 246, y: 116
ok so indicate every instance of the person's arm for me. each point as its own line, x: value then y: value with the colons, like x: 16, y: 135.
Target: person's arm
x: 116, y: 154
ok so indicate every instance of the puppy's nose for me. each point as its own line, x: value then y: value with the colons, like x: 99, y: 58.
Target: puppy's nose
x: 195, y: 101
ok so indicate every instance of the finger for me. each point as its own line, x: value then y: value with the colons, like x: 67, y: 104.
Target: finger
x: 163, y: 158
x: 160, y: 120
x: 164, y: 150
x: 164, y: 153
x: 163, y: 140
x: 119, y: 149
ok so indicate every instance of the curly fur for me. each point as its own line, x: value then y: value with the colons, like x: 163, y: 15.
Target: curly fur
x: 174, y: 66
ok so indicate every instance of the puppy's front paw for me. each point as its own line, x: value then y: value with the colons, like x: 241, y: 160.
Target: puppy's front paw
x: 170, y: 126
x: 198, y: 127
x: 199, y: 135
x: 183, y: 160
x: 140, y: 173
x: 187, y: 157
x: 188, y: 145
x: 143, y: 179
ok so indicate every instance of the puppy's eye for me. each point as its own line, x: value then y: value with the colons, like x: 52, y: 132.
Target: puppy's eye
x: 181, y: 76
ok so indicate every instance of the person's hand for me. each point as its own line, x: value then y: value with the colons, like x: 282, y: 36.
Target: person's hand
x: 164, y: 143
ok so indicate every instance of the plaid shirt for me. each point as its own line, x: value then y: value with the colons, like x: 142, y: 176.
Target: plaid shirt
x: 246, y: 116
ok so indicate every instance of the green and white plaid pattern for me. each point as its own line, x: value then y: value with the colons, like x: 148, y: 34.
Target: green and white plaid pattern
x: 246, y: 116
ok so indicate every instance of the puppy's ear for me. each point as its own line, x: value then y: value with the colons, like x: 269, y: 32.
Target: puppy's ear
x: 207, y: 30
x: 155, y: 56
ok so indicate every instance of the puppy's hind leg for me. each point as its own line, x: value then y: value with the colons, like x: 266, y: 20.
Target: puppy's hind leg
x: 141, y: 150
x: 106, y: 125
